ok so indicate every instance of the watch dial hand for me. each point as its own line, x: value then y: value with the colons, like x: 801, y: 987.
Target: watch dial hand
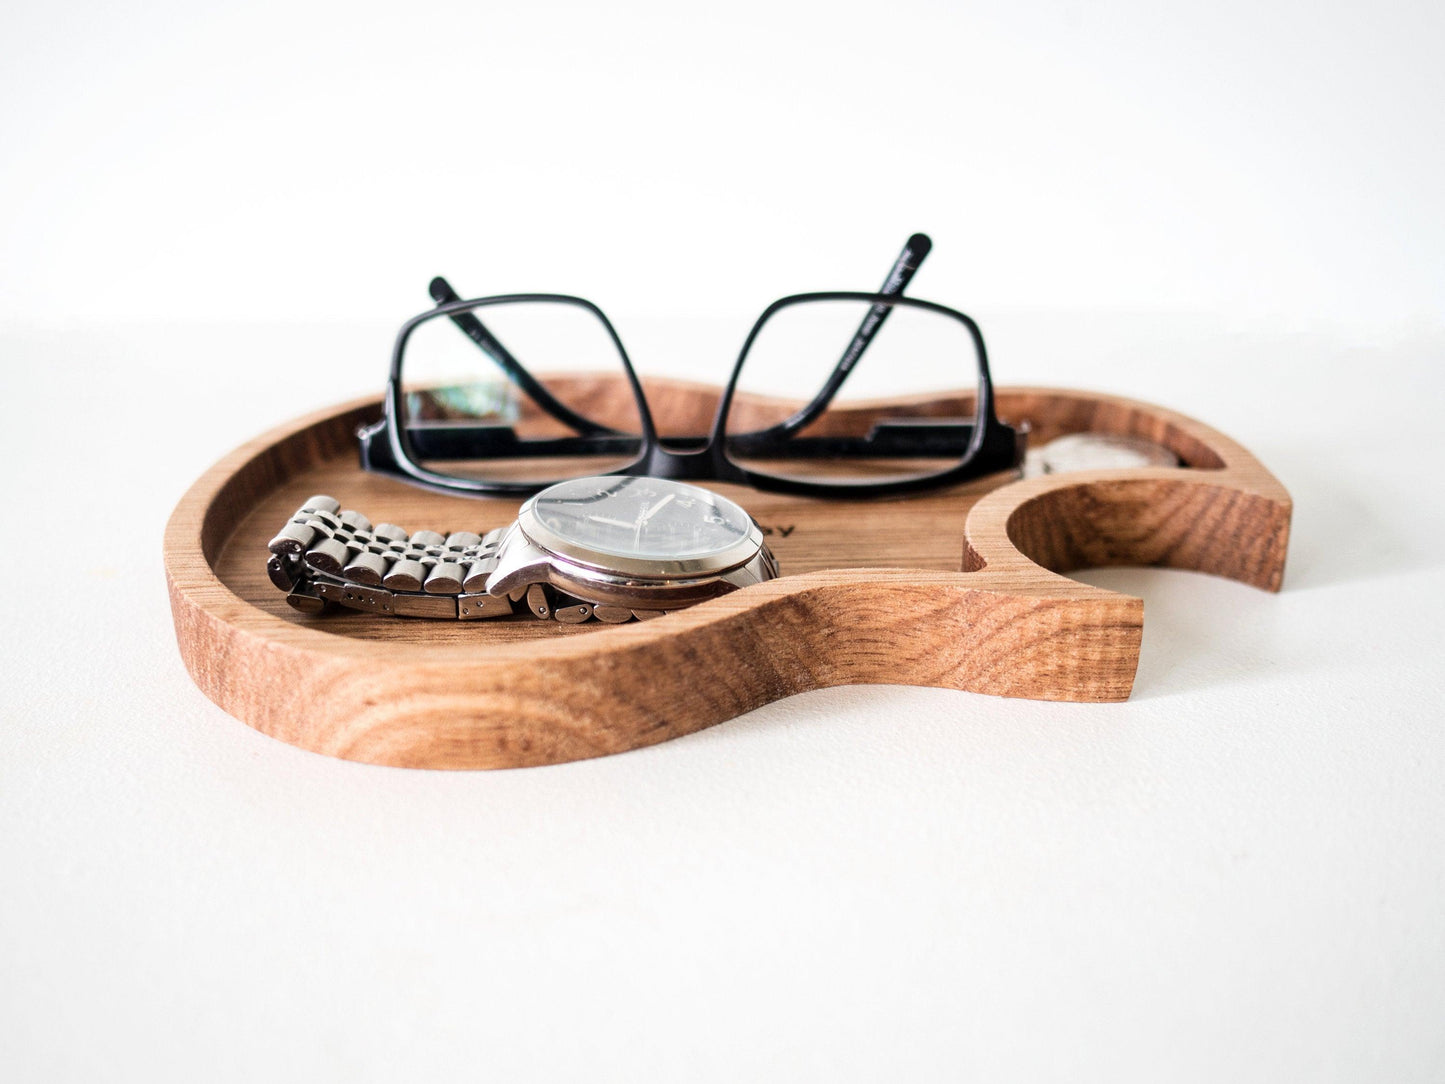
x: 612, y: 522
x: 656, y: 508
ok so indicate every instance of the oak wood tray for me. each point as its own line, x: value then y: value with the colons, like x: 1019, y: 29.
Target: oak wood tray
x: 961, y: 590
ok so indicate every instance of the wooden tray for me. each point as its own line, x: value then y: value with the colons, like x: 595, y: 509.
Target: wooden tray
x: 971, y: 599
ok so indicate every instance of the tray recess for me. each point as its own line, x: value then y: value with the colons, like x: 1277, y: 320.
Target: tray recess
x: 973, y: 596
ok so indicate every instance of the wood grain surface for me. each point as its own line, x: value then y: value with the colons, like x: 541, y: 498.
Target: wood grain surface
x: 960, y: 589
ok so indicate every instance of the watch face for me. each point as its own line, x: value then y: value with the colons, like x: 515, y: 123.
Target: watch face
x: 641, y: 518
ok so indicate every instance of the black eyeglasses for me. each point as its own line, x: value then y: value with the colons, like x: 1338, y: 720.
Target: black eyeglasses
x: 463, y: 415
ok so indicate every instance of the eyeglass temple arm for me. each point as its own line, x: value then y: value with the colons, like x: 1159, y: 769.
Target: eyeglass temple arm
x: 443, y: 294
x: 914, y: 250
x: 900, y: 437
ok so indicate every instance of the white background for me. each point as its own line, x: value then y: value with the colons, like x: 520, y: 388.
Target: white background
x: 212, y: 220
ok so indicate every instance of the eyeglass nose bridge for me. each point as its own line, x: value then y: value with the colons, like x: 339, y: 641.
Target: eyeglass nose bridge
x: 686, y: 459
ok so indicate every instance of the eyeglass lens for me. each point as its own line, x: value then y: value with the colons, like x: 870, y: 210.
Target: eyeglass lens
x: 522, y: 391
x: 814, y: 403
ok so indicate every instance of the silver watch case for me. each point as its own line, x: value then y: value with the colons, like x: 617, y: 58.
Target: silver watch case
x: 532, y: 553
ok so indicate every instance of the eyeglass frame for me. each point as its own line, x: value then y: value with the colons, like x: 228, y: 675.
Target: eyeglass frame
x: 993, y: 446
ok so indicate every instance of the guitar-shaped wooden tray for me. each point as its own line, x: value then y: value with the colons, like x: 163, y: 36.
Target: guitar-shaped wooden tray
x: 960, y: 589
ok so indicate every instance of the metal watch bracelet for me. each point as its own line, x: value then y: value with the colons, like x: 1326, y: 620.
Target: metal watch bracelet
x: 325, y: 557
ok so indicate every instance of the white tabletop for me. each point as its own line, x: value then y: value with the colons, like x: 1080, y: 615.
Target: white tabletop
x: 1238, y: 874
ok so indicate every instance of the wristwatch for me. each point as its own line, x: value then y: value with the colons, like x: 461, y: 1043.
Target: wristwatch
x: 612, y: 549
